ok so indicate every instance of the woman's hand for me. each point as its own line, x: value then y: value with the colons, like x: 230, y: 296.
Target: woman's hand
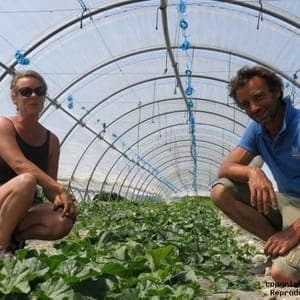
x: 65, y: 201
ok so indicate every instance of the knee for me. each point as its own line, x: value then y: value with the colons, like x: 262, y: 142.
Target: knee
x: 281, y: 277
x: 26, y: 184
x: 276, y: 273
x: 62, y: 227
x: 217, y: 195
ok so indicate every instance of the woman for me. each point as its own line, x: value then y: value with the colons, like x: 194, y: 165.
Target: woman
x: 29, y: 155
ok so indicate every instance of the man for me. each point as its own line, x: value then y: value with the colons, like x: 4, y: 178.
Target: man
x: 244, y: 192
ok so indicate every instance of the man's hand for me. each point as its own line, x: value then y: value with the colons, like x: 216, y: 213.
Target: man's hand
x: 262, y: 193
x: 281, y: 242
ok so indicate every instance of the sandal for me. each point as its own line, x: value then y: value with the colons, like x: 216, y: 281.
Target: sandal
x: 14, y: 244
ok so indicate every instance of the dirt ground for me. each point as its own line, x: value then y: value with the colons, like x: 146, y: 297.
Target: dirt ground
x: 260, y: 270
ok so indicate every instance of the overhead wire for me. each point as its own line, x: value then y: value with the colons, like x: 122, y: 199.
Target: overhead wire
x: 184, y: 93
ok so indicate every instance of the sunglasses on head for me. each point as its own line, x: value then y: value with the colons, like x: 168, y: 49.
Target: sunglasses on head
x: 28, y: 91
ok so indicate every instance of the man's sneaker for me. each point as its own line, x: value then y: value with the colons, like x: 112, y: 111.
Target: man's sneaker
x: 5, y: 252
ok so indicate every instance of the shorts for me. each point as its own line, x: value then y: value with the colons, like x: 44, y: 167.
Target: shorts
x: 241, y: 192
x: 289, y: 211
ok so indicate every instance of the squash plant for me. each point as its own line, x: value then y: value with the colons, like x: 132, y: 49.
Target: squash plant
x: 133, y: 250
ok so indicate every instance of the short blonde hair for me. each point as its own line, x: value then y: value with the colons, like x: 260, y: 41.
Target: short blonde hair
x: 26, y: 73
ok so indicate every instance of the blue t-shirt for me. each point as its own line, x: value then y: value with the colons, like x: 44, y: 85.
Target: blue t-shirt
x: 282, y: 154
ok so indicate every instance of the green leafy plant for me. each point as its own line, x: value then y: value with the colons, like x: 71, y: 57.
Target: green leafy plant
x: 133, y: 250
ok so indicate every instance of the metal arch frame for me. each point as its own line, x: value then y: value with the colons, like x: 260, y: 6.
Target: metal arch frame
x: 143, y: 51
x: 159, y: 147
x: 97, y: 135
x: 163, y: 193
x: 147, y: 119
x: 168, y: 166
x: 115, y: 93
x: 142, y: 106
x: 166, y: 145
x: 154, y: 132
x: 5, y: 67
x: 158, y: 188
x: 151, y: 151
x: 45, y: 38
x: 129, y: 55
x: 67, y: 25
x: 174, y: 159
x: 139, y: 191
x: 125, y: 155
x: 138, y: 169
x: 138, y: 184
x: 205, y: 173
x: 79, y: 121
x: 264, y: 10
x: 129, y: 2
x: 187, y: 161
x: 10, y: 69
x: 216, y: 164
x: 113, y: 165
x: 179, y: 86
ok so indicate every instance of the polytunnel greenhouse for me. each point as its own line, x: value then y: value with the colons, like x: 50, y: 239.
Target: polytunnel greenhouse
x: 138, y: 97
x: 138, y: 89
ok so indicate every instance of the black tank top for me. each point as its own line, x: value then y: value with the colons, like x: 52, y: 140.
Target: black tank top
x: 38, y: 155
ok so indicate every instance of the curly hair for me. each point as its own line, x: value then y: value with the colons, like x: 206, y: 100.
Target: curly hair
x: 274, y: 82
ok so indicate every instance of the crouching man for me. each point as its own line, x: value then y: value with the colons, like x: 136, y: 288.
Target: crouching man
x: 244, y: 192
